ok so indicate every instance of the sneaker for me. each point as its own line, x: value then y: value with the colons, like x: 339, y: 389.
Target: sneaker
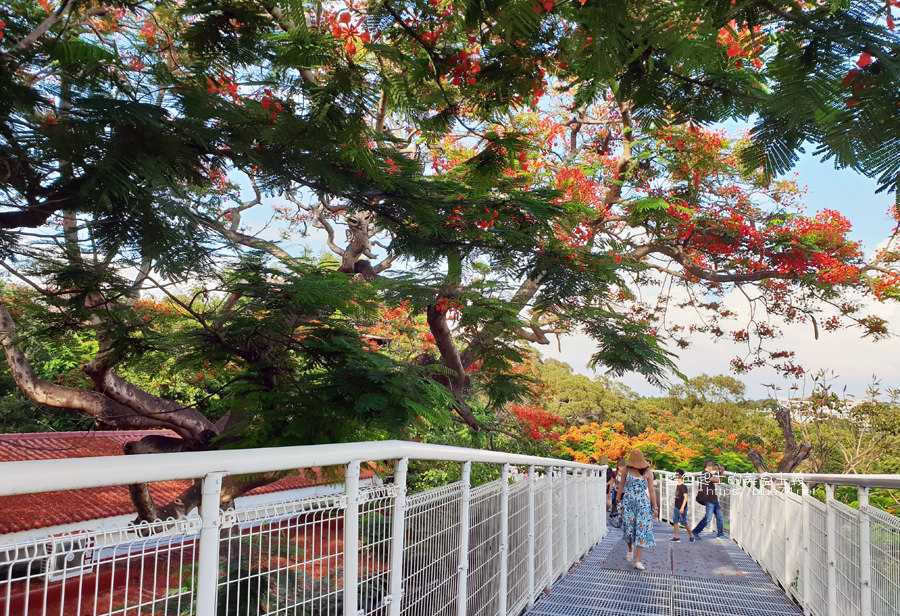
x: 639, y: 566
x: 675, y: 539
x: 721, y: 537
x: 696, y: 536
x: 691, y: 540
x: 628, y: 556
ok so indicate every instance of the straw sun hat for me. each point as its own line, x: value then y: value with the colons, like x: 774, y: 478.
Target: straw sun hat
x: 637, y: 460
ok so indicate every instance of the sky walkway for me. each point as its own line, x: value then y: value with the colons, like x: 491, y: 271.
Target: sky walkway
x: 710, y: 577
x: 489, y: 534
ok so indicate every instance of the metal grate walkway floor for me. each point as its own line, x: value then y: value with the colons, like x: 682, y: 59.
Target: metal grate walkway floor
x: 710, y: 577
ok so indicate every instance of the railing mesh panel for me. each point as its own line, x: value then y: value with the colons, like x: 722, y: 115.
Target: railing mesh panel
x: 517, y: 567
x: 275, y: 558
x: 431, y: 552
x: 776, y: 530
x: 817, y: 569
x: 129, y: 569
x: 884, y: 542
x: 484, y: 550
x: 559, y: 507
x: 793, y: 544
x: 375, y: 536
x: 541, y: 535
x: 846, y: 527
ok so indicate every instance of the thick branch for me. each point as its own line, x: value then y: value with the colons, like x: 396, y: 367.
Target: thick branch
x: 793, y: 454
x: 757, y: 460
x: 680, y: 256
x: 34, y: 216
x: 186, y: 421
x: 320, y: 222
x: 106, y: 411
x: 443, y: 339
x: 258, y: 244
x: 359, y: 244
x: 44, y: 26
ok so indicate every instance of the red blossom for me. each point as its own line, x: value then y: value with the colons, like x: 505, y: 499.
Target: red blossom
x: 851, y: 75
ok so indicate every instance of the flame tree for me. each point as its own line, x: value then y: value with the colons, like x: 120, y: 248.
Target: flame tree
x: 511, y: 170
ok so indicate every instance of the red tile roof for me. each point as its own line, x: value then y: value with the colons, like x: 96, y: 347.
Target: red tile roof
x: 30, y: 511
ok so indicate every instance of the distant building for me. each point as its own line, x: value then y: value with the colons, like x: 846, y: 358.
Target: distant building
x: 804, y: 410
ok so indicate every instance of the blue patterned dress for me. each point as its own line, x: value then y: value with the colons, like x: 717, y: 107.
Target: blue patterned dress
x: 637, y: 519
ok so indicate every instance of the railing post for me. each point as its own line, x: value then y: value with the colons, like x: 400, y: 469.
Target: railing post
x: 462, y: 578
x: 576, y: 488
x: 351, y: 539
x: 664, y: 497
x: 737, y: 508
x: 786, y: 536
x: 805, y: 585
x: 865, y: 555
x: 208, y: 551
x: 603, y: 528
x: 831, y: 550
x: 398, y: 531
x: 590, y: 508
x: 564, y: 517
x: 587, y: 510
x: 504, y: 539
x: 531, y: 487
x: 765, y: 547
x: 550, y: 471
x: 599, y: 503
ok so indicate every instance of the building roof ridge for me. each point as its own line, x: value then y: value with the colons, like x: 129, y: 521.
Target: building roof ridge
x: 15, y: 436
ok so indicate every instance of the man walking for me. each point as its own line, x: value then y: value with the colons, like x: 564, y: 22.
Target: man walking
x: 679, y: 515
x: 707, y: 496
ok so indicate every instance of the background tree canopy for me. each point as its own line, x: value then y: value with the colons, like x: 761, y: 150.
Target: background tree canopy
x: 498, y: 172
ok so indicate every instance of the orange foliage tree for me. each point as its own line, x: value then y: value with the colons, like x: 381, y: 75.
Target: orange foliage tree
x: 667, y: 447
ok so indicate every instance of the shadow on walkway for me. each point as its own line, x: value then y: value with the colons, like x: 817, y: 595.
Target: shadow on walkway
x: 711, y: 577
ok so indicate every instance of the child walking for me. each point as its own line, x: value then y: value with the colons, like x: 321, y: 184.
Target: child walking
x: 680, y: 513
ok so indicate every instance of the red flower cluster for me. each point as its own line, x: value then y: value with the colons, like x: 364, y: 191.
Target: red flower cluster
x: 268, y: 103
x: 352, y: 35
x: 741, y: 43
x: 148, y: 31
x: 224, y: 85
x: 536, y: 422
x: 445, y: 305
x: 465, y: 67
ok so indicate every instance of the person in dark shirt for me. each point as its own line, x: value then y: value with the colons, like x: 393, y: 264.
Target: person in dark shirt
x: 708, y: 479
x: 679, y: 516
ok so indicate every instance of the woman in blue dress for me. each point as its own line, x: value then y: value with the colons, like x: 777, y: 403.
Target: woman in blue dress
x: 639, y: 506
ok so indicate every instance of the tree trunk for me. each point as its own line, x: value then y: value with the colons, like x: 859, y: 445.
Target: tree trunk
x: 794, y: 453
x: 443, y: 339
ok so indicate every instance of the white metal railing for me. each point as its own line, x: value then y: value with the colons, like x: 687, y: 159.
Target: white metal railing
x: 832, y: 559
x: 454, y: 549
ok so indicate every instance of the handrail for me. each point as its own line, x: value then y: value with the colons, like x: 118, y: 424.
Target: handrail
x: 35, y: 476
x: 849, y: 479
x: 373, y: 547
